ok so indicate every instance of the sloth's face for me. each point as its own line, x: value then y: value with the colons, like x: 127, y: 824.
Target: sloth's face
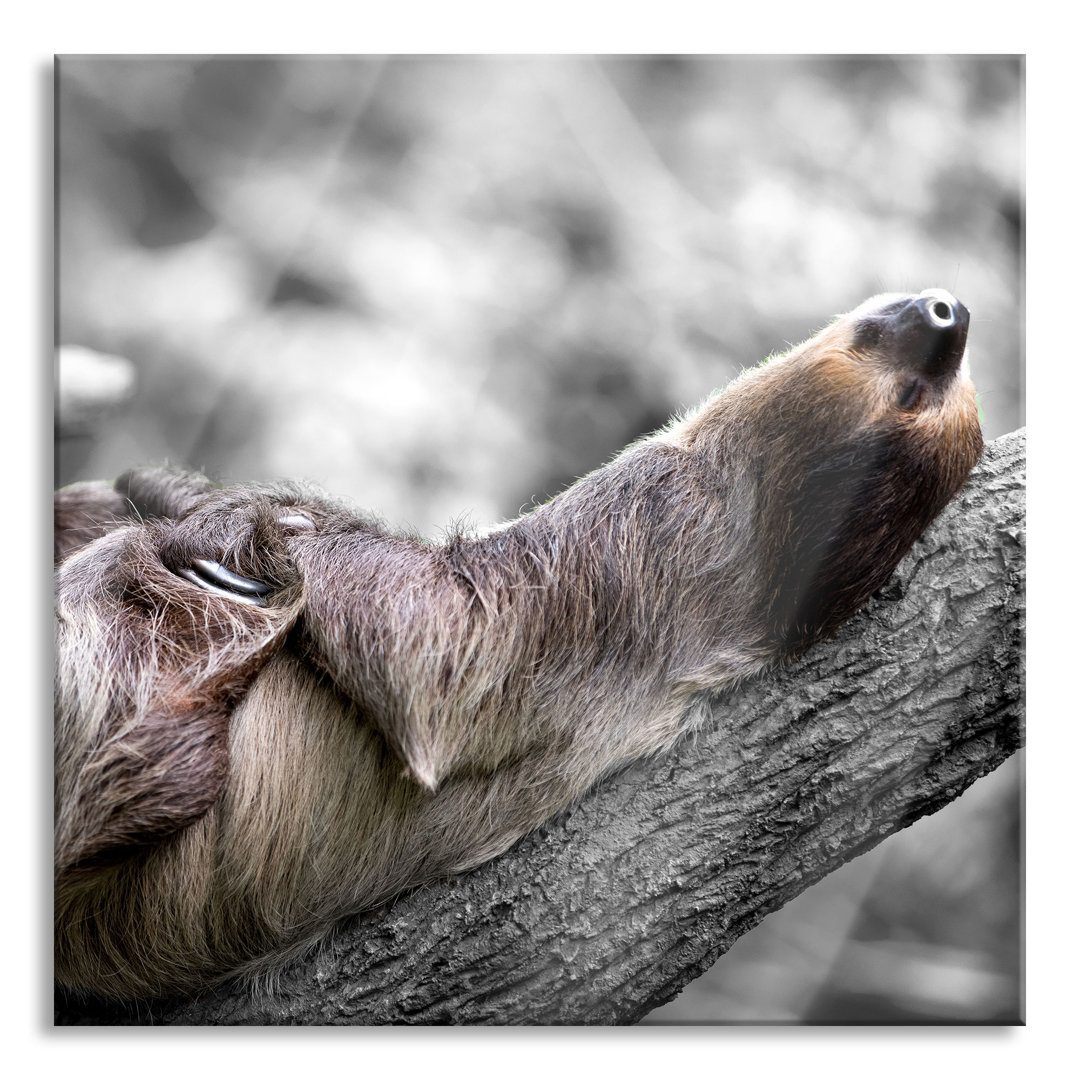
x: 920, y: 341
x: 900, y: 355
x: 838, y: 454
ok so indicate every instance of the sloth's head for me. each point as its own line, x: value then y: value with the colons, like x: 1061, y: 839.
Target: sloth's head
x: 843, y: 450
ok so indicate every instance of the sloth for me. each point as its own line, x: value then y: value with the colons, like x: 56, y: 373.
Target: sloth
x: 272, y: 713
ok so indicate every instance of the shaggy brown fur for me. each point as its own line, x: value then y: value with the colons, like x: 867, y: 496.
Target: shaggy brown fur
x: 233, y: 777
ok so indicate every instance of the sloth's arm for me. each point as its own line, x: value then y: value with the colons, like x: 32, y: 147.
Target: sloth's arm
x: 85, y: 511
x: 389, y: 622
x: 393, y: 622
x: 163, y: 491
x: 157, y: 641
x: 156, y: 495
x: 402, y: 628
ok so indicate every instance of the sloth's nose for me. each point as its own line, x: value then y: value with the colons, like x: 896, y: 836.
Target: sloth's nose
x: 927, y: 334
x: 939, y: 307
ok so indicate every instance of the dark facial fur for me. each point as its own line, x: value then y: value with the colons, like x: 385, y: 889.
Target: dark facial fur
x: 272, y: 713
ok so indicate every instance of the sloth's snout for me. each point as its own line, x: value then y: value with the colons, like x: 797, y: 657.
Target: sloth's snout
x: 923, y: 334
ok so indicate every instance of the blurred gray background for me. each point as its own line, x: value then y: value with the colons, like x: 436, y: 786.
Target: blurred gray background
x: 445, y: 287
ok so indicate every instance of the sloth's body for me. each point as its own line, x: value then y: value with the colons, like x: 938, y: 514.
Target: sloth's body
x: 272, y: 713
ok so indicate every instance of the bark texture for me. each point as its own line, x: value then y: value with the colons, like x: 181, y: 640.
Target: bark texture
x: 610, y: 908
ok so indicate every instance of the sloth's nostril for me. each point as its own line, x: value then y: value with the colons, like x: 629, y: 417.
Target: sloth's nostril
x: 939, y: 312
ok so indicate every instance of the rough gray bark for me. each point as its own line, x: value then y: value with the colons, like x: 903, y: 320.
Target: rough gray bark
x: 608, y: 910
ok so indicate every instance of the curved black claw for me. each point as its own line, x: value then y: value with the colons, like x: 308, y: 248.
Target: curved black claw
x: 213, y: 577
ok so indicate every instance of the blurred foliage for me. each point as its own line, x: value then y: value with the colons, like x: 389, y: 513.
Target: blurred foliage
x: 447, y: 286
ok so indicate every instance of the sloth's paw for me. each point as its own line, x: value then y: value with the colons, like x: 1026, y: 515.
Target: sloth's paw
x: 234, y: 544
x: 213, y: 577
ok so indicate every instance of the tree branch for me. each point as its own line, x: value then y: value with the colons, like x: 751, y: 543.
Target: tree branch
x: 610, y: 908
